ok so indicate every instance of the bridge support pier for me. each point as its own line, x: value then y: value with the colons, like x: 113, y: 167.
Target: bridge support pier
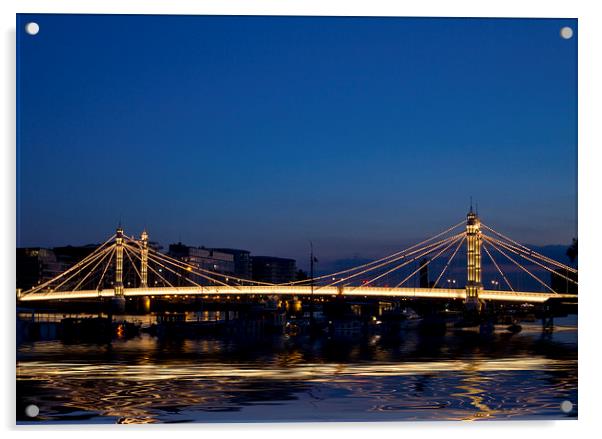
x: 547, y: 319
x: 117, y: 305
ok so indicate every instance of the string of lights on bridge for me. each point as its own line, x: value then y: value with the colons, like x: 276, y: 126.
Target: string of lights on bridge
x: 90, y: 276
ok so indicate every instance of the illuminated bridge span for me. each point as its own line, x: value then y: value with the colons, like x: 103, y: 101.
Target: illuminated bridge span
x: 296, y: 290
x: 175, y: 277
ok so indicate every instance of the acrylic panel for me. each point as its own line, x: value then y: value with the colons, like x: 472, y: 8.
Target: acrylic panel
x: 286, y: 219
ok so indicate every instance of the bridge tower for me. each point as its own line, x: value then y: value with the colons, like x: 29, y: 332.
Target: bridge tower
x: 144, y: 260
x: 119, y: 262
x: 473, y: 252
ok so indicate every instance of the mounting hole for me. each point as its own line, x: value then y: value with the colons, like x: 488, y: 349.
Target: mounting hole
x: 566, y: 33
x: 566, y: 406
x: 32, y: 410
x: 32, y: 28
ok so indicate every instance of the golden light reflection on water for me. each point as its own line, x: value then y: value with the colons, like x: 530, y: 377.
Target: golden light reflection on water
x: 289, y: 369
x: 145, y: 393
x: 472, y: 388
x: 146, y: 379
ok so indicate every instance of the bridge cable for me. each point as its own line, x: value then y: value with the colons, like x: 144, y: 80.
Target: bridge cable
x: 536, y: 255
x: 509, y: 248
x: 165, y: 281
x: 174, y: 261
x: 391, y: 256
x: 498, y: 267
x: 521, y: 267
x: 434, y: 247
x: 158, y: 262
x: 81, y: 268
x: 176, y: 273
x: 127, y: 253
x: 520, y: 247
x: 64, y: 273
x: 105, y: 269
x: 189, y: 268
x: 209, y: 278
x: 448, y: 262
x: 426, y: 263
x: 531, y: 252
x: 422, y: 252
x: 93, y: 269
x: 181, y: 264
x: 183, y: 277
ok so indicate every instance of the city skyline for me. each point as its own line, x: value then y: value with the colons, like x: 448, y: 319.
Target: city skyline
x: 554, y: 251
x: 361, y: 135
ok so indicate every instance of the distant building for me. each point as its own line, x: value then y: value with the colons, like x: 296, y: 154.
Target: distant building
x: 560, y: 284
x: 71, y: 255
x: 154, y: 245
x: 242, y: 261
x: 35, y: 266
x: 199, y: 257
x: 273, y: 270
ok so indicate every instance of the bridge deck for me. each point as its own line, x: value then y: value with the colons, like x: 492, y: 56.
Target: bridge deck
x: 426, y: 293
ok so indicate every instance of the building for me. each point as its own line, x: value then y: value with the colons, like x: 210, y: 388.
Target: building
x: 243, y: 267
x: 35, y: 266
x: 103, y: 275
x: 273, y: 270
x: 71, y: 255
x: 199, y: 258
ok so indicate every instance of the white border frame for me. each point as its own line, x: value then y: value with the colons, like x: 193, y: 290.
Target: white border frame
x: 590, y: 144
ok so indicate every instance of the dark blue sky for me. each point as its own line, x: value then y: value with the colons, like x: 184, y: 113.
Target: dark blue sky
x: 361, y: 134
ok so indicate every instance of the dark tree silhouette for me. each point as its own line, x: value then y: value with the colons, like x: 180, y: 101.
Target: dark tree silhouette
x: 571, y: 252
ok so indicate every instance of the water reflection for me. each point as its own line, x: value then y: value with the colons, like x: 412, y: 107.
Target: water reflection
x: 459, y: 376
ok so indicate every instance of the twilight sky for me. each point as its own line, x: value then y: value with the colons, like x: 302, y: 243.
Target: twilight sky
x: 361, y: 134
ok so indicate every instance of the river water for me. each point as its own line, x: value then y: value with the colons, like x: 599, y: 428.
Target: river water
x: 461, y: 375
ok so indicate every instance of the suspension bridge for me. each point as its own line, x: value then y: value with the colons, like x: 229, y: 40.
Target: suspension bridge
x: 101, y: 274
